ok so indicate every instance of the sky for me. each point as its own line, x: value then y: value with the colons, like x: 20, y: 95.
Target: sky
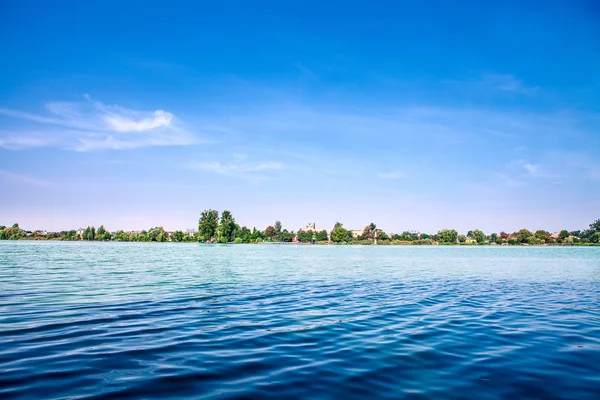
x: 465, y: 114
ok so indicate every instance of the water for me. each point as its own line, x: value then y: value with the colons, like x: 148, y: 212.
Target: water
x: 117, y: 320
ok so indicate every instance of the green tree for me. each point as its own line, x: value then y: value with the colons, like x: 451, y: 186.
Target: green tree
x: 100, y: 233
x: 227, y: 227
x: 153, y: 234
x: 462, y: 238
x: 162, y: 236
x: 339, y: 234
x: 277, y: 226
x: 563, y: 235
x: 305, y: 236
x: 447, y: 236
x: 121, y: 236
x: 406, y: 236
x: 321, y: 236
x: 207, y: 225
x: 595, y: 226
x: 494, y: 238
x: 270, y: 232
x: 478, y: 235
x: 523, y: 235
x: 256, y: 235
x: 285, y: 236
x: 534, y: 240
x: 178, y: 236
x: 89, y: 233
x: 543, y: 236
x: 381, y: 235
x: 369, y: 232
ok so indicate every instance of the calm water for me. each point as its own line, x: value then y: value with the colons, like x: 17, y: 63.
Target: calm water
x: 104, y: 320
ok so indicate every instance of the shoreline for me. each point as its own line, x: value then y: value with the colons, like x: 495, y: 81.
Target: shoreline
x: 408, y: 244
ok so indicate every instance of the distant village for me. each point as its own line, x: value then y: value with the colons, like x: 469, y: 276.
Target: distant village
x: 222, y: 228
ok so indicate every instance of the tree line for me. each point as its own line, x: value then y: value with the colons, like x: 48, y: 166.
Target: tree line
x: 215, y: 228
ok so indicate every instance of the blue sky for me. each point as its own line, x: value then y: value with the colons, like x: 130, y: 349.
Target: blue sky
x: 424, y: 116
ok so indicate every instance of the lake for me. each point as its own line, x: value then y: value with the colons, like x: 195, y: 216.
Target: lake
x: 149, y: 320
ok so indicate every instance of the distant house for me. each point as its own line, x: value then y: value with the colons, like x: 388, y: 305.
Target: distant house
x: 356, y: 232
x: 190, y: 232
x: 555, y: 235
x: 470, y: 240
x: 311, y: 226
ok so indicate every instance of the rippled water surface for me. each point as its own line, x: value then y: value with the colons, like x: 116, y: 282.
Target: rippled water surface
x: 115, y: 320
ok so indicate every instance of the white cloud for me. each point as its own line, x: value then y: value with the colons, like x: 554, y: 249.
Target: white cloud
x: 240, y: 168
x: 92, y: 125
x: 19, y: 142
x: 160, y: 118
x: 532, y: 169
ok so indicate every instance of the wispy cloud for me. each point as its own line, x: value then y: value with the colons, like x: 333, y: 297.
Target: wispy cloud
x: 533, y: 170
x: 92, y: 125
x: 391, y: 175
x: 509, y: 181
x: 305, y: 71
x: 20, y: 178
x: 508, y: 83
x: 523, y: 170
x: 240, y: 168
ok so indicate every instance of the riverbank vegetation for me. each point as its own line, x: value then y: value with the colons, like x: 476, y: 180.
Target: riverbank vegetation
x: 215, y: 228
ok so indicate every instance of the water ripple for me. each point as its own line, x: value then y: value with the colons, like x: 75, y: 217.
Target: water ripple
x: 145, y: 321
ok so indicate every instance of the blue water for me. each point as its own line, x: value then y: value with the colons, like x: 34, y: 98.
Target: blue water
x: 118, y: 320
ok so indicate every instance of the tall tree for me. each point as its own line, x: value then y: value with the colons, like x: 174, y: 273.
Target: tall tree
x: 207, y: 225
x: 100, y: 232
x: 478, y: 235
x: 226, y: 227
x: 369, y: 231
x: 244, y: 234
x: 339, y: 233
x: 270, y: 232
x: 256, y: 235
x: 277, y: 226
